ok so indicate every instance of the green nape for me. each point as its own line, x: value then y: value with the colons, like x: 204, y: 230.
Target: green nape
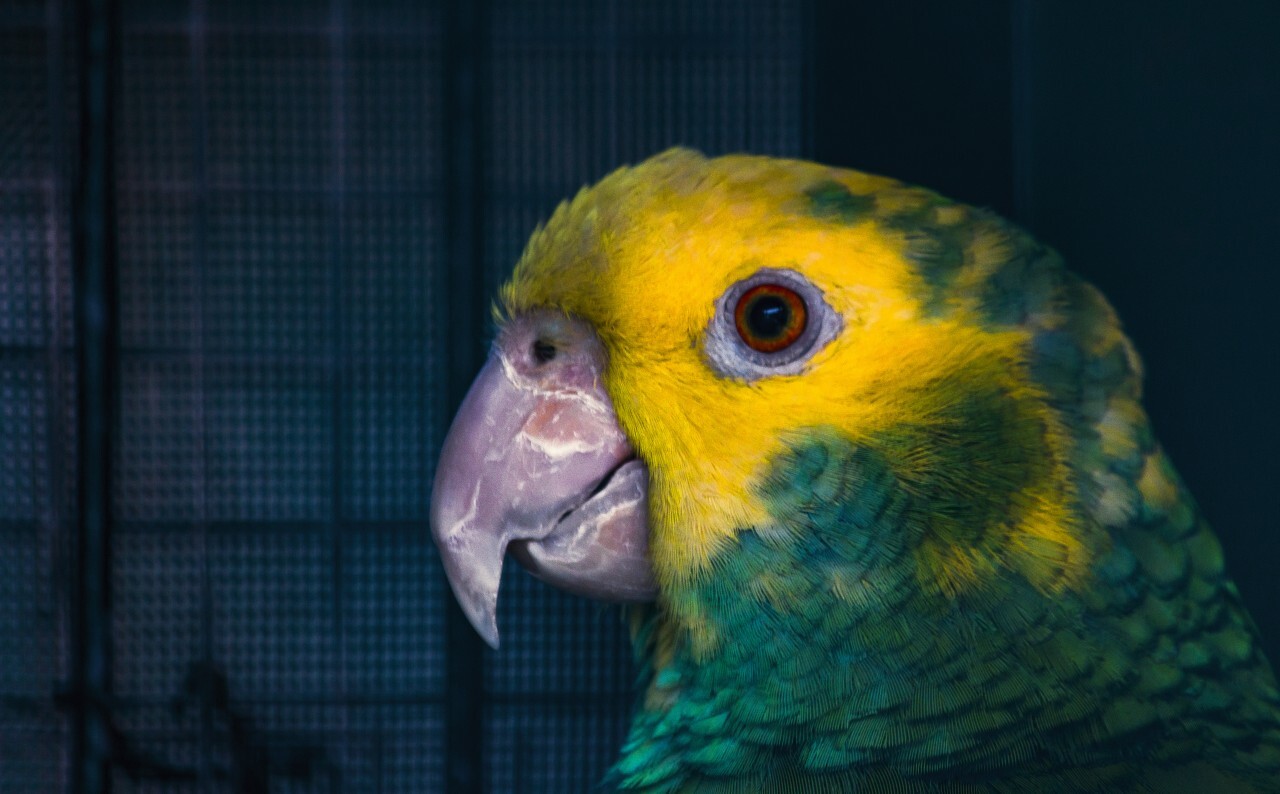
x: 937, y: 248
x: 831, y: 200
x: 811, y: 659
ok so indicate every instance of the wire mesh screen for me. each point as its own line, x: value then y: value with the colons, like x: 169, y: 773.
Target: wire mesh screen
x: 37, y: 420
x: 277, y: 618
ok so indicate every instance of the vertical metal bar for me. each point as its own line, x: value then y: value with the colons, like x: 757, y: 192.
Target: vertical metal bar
x: 339, y: 359
x: 464, y: 305
x: 197, y: 37
x: 1021, y: 102
x: 96, y: 341
x: 808, y: 72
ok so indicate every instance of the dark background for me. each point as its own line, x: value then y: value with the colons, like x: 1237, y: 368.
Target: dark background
x: 279, y: 225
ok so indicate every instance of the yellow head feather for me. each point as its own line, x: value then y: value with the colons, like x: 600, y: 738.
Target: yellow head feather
x: 645, y: 254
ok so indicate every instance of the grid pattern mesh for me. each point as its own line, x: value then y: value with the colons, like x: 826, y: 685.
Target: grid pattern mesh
x: 278, y: 618
x: 278, y: 608
x: 37, y: 420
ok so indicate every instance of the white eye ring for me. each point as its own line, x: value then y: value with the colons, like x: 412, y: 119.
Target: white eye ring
x: 732, y: 357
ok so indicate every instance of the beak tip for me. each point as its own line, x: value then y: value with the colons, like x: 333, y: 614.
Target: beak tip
x: 480, y: 612
x: 486, y: 625
x: 477, y: 599
x: 475, y: 591
x: 483, y: 622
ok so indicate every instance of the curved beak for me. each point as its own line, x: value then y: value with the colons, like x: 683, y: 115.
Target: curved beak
x: 535, y: 460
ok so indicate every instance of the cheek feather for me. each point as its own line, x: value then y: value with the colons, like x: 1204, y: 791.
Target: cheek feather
x: 709, y: 441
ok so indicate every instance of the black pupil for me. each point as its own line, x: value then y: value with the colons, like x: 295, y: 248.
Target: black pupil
x: 768, y: 316
x: 543, y: 351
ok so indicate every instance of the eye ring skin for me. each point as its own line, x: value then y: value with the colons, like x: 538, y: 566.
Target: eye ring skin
x: 729, y: 355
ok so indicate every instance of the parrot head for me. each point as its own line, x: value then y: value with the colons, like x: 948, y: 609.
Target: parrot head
x: 880, y: 464
x: 674, y: 330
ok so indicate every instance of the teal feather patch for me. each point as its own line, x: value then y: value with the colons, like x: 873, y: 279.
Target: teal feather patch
x: 836, y: 666
x: 831, y: 200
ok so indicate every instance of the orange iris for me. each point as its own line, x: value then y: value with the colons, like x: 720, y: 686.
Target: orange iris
x: 770, y: 317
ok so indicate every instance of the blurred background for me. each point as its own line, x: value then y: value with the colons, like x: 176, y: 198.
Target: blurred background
x: 246, y: 254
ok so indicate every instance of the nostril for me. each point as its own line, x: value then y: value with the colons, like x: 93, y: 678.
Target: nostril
x: 543, y: 351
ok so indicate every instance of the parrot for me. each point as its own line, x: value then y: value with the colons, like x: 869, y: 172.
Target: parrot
x: 870, y: 472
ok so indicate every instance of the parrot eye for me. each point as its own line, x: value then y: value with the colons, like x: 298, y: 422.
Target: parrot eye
x: 543, y: 351
x: 770, y: 317
x: 770, y: 323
